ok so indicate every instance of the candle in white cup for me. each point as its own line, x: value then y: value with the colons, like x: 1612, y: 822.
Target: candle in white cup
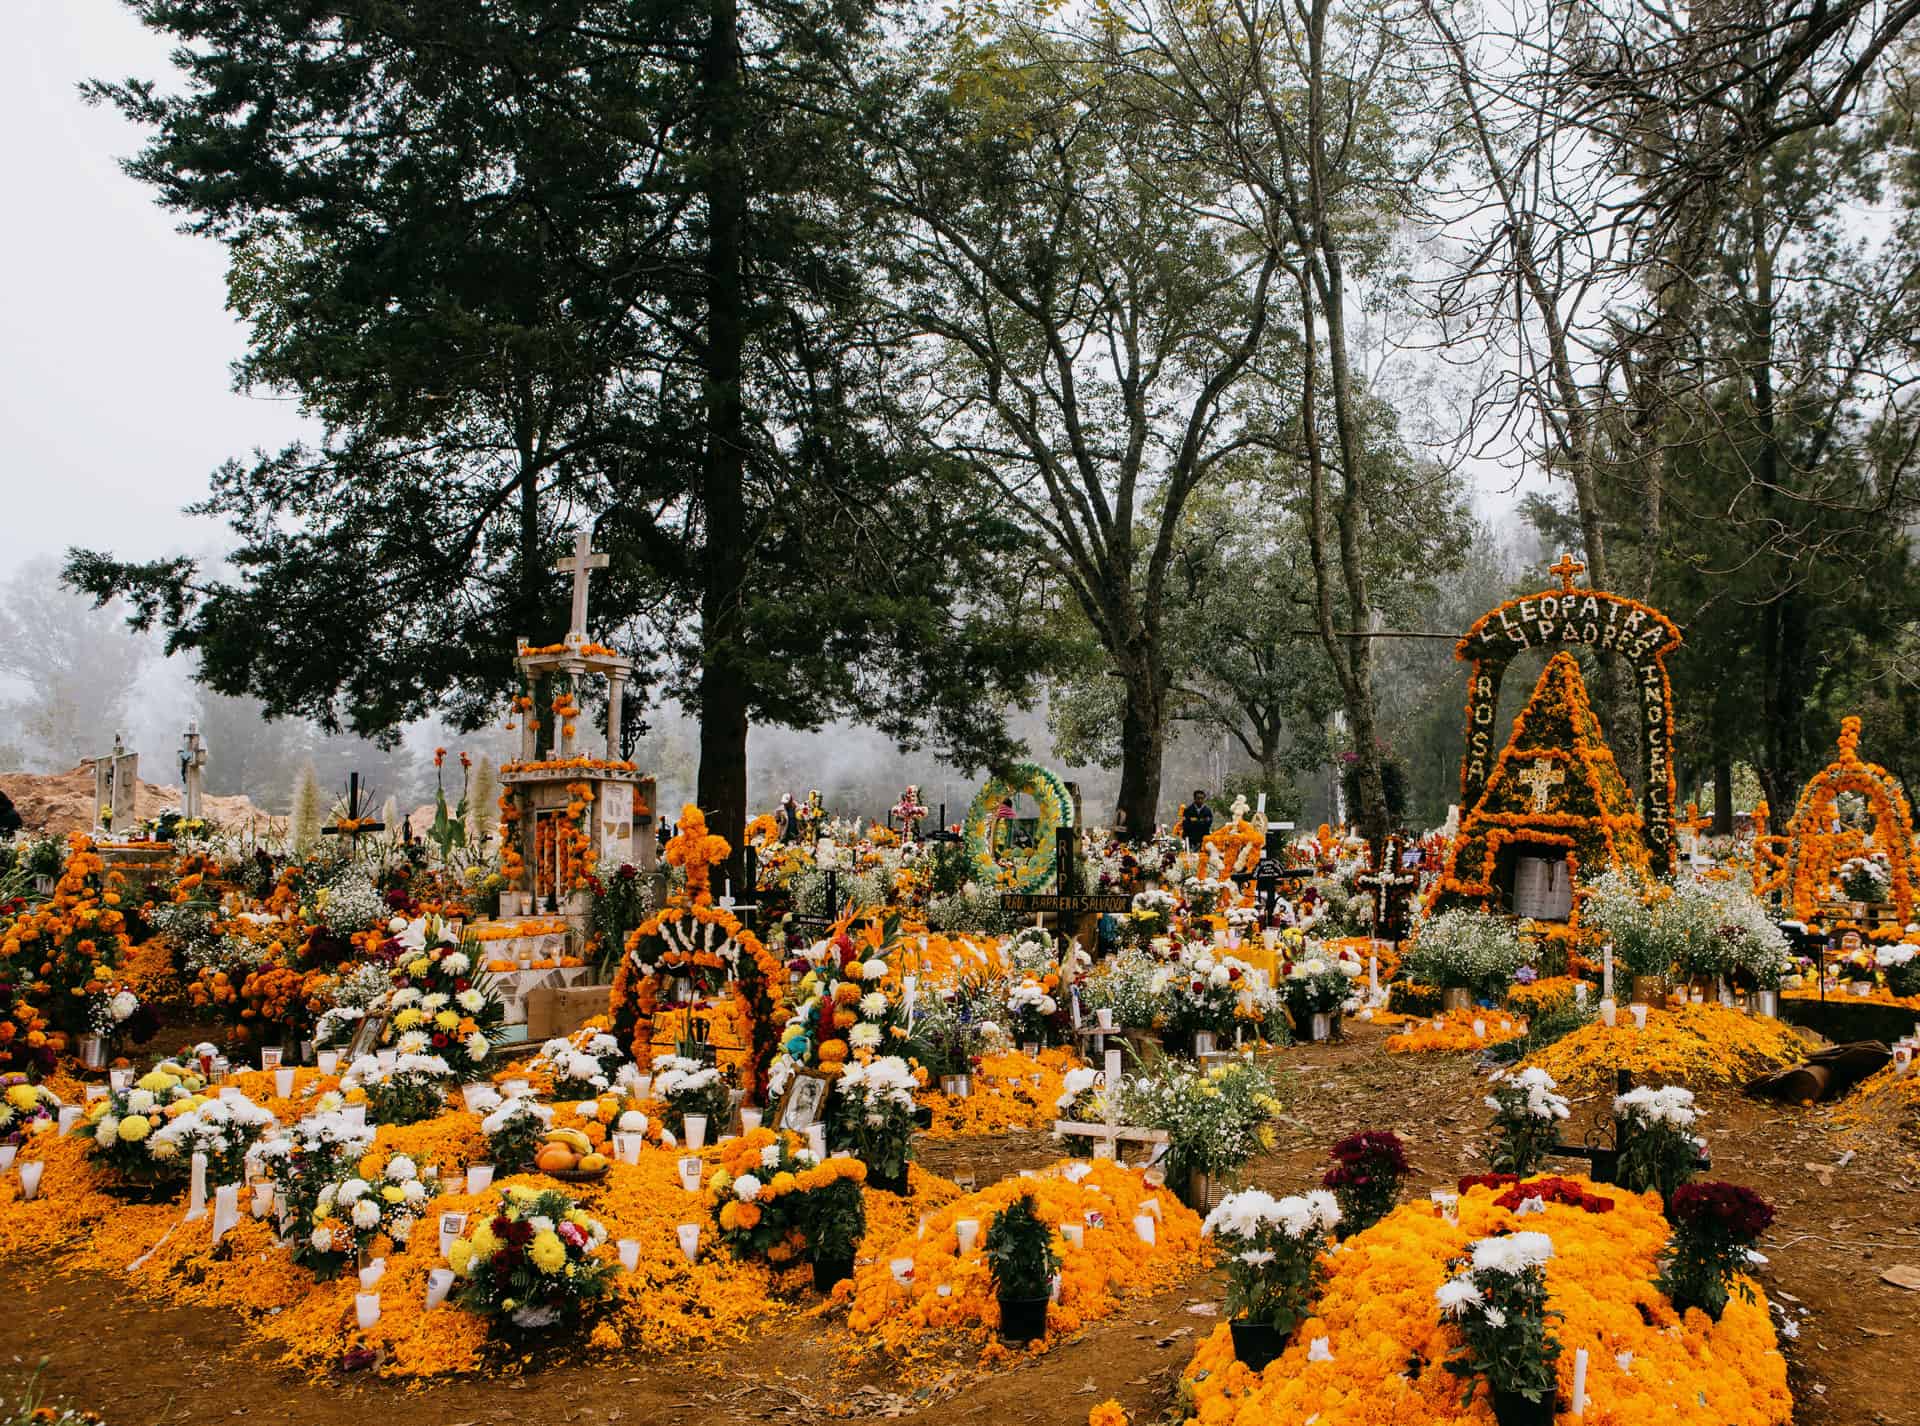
x: 226, y: 1209
x: 902, y: 1270
x: 262, y: 1197
x: 817, y: 1140
x: 439, y: 1284
x: 1104, y: 1016
x: 329, y: 1061
x: 366, y: 1309
x: 696, y: 1132
x: 30, y: 1171
x: 689, y: 1234
x: 1143, y: 1227
x: 453, y: 1185
x: 627, y: 1147
x: 690, y: 1175
x: 283, y: 1083
x: 452, y: 1226
x: 1639, y: 1017
x: 1074, y: 1233
x: 1479, y: 1029
x: 629, y: 1254
x: 749, y: 1120
x: 966, y: 1230
x: 478, y: 1177
x: 1580, y: 1382
x: 1608, y: 1010
x: 69, y: 1116
x: 372, y: 1273
x: 642, y: 1086
x: 7, y: 1151
x: 96, y: 1091
x: 270, y: 1058
x: 120, y: 1079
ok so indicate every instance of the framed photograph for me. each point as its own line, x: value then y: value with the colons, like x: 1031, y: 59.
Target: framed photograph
x: 805, y: 1102
x: 1410, y: 859
x: 366, y: 1036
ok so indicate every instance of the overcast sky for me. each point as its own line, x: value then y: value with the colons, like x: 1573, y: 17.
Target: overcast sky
x: 115, y: 394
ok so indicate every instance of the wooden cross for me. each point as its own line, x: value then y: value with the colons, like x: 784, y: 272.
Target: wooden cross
x: 1604, y: 1158
x: 583, y: 562
x: 1565, y: 570
x: 1271, y: 870
x: 354, y: 826
x: 1540, y: 780
x: 1388, y: 886
x: 1108, y: 1136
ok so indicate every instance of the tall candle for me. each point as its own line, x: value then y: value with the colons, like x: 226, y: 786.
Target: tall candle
x: 30, y: 1171
x: 1580, y: 1382
x: 283, y: 1083
x: 478, y: 1177
x: 226, y: 1209
x: 629, y: 1254
x: 966, y: 1230
x: 1606, y: 971
x: 696, y: 1136
x: 197, y: 1189
x: 366, y: 1309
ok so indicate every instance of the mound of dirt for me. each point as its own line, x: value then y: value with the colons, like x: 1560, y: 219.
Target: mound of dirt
x: 62, y: 802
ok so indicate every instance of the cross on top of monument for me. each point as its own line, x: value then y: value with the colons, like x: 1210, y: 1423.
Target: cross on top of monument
x: 1564, y: 570
x: 583, y: 562
x: 1540, y: 780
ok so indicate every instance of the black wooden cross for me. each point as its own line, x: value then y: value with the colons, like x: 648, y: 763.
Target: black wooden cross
x: 355, y: 828
x: 1604, y: 1157
x: 1271, y: 870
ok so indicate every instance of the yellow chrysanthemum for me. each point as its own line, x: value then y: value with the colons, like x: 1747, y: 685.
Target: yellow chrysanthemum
x: 134, y: 1128
x: 549, y: 1254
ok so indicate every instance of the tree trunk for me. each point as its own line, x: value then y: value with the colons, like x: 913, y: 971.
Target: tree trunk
x: 722, y: 789
x: 1143, y: 727
x: 1722, y: 796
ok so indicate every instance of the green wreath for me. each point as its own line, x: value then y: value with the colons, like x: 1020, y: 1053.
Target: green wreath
x: 1028, y: 870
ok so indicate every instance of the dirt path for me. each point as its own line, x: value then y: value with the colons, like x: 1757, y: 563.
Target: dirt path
x: 1839, y: 1228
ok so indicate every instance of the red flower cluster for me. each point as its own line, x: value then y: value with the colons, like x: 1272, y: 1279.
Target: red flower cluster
x: 1553, y: 1190
x: 1734, y: 1209
x: 1365, y: 1158
x: 1488, y: 1180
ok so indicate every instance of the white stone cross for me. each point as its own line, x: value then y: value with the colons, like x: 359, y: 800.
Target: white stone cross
x: 1540, y: 780
x: 193, y: 758
x: 584, y: 560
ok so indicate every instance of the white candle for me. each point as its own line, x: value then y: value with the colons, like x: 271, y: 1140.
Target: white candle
x: 626, y: 1147
x: 1580, y: 1382
x: 1143, y: 1227
x: 1268, y: 936
x: 696, y: 1132
x: 902, y: 1270
x: 689, y: 1234
x: 817, y: 1140
x: 1606, y: 970
x: 478, y: 1177
x: 966, y: 1229
x: 1113, y: 1067
x: 1319, y: 1350
x: 642, y: 1086
x: 30, y: 1171
x: 262, y: 1198
x: 329, y: 1061
x: 270, y: 1058
x: 1104, y: 1017
x: 372, y: 1273
x: 452, y: 1225
x: 1608, y: 1010
x: 690, y: 1175
x: 629, y: 1254
x: 1639, y: 1017
x: 197, y: 1189
x: 1373, y: 972
x: 226, y: 1209
x: 439, y: 1284
x: 366, y: 1309
x: 1151, y: 1205
x: 283, y: 1083
x: 1479, y: 1029
x: 120, y: 1079
x: 749, y: 1120
x: 7, y: 1152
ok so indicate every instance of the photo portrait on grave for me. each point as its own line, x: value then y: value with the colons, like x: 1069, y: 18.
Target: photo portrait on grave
x: 805, y: 1102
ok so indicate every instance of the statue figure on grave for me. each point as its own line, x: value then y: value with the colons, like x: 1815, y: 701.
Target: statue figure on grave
x: 788, y: 819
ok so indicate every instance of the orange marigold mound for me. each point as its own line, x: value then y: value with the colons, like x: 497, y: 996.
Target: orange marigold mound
x: 1456, y: 1032
x: 1010, y: 1091
x: 946, y: 1292
x: 1700, y: 1046
x: 1388, y: 1341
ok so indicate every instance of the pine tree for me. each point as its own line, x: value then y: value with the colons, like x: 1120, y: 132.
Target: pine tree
x: 303, y: 822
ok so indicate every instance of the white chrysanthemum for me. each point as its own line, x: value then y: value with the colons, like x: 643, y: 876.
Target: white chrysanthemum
x: 873, y: 1004
x: 864, y: 1036
x: 400, y: 1168
x: 139, y: 1101
x: 471, y: 1001
x: 366, y: 1214
x: 874, y: 970
x: 746, y: 1188
x: 632, y: 1122
x: 1512, y: 1253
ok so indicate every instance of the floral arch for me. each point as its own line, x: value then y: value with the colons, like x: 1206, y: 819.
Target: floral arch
x: 1815, y: 850
x: 1031, y: 869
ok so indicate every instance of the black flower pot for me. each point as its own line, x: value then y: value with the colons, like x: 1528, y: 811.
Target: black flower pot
x: 828, y: 1271
x: 1023, y: 1318
x: 1256, y: 1343
x: 1511, y: 1408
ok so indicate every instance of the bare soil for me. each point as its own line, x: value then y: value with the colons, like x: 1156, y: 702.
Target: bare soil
x: 1840, y: 1226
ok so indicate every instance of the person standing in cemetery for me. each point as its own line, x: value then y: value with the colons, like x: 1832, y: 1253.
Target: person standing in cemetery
x: 1197, y: 820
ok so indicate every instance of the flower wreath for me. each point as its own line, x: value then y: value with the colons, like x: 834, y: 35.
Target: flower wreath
x: 1017, y: 871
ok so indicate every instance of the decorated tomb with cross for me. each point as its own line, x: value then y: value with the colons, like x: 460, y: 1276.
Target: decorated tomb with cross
x: 1273, y: 871
x: 1108, y: 1134
x: 1388, y: 887
x: 116, y: 776
x: 570, y: 802
x: 1607, y: 1136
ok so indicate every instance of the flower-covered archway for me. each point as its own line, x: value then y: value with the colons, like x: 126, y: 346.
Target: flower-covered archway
x: 1815, y: 848
x: 695, y: 941
x: 1557, y: 620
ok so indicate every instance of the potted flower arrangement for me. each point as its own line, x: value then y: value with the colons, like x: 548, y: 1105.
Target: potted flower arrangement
x: 1019, y: 1251
x: 225, y: 1130
x: 832, y: 1213
x: 688, y: 1086
x: 1365, y: 1178
x: 1499, y: 1300
x: 1151, y: 914
x: 1858, y: 968
x: 350, y: 1216
x: 1901, y: 965
x: 25, y: 1109
x: 1526, y: 1117
x: 1468, y: 954
x: 1200, y: 994
x: 533, y: 1263
x: 1864, y: 880
x: 870, y: 1114
x: 1216, y: 1120
x: 1316, y: 990
x: 1032, y: 1012
x: 123, y: 1122
x: 1123, y: 984
x: 444, y: 1002
x: 515, y: 1130
x: 320, y: 1151
x: 1273, y: 1265
x: 1641, y: 923
x: 1658, y: 1148
x: 410, y: 1089
x: 1715, y: 1226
